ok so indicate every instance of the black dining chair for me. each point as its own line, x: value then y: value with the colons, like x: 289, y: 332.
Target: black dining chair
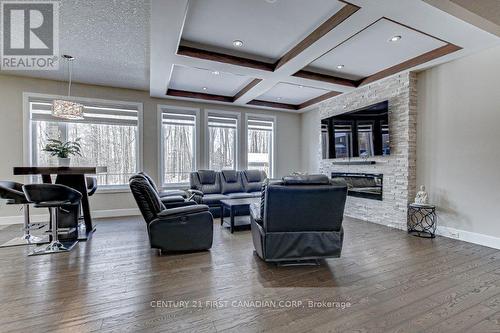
x: 12, y: 192
x: 54, y: 197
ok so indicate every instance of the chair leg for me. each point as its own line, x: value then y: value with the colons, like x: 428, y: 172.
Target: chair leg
x: 55, y: 245
x: 26, y: 238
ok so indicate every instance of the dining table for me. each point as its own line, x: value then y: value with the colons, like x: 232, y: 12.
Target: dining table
x: 73, y: 177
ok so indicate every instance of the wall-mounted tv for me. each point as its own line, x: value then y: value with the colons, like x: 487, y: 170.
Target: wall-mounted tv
x: 359, y: 133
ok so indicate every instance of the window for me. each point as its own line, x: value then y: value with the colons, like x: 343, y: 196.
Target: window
x: 178, y: 146
x: 109, y: 136
x: 365, y: 140
x: 222, y: 142
x: 260, y: 138
x: 343, y: 141
x: 386, y: 148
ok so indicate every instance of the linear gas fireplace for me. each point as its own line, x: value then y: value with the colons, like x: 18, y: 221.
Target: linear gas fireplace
x: 362, y: 185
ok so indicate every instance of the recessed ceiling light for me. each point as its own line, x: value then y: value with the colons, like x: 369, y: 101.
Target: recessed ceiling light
x: 395, y: 38
x: 278, y: 98
x: 301, y: 86
x: 215, y: 72
x: 340, y: 66
x: 204, y: 88
x: 237, y: 43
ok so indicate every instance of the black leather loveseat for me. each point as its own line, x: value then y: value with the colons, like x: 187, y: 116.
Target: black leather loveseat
x: 299, y: 218
x: 183, y: 228
x: 210, y: 187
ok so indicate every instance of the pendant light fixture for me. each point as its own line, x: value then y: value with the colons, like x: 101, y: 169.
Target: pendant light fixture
x: 65, y: 108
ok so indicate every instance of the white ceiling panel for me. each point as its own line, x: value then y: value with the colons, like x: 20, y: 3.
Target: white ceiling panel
x: 195, y: 79
x: 291, y: 94
x: 268, y: 28
x: 371, y: 50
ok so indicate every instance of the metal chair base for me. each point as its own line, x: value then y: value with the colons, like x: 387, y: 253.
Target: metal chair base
x: 26, y: 240
x: 54, y: 247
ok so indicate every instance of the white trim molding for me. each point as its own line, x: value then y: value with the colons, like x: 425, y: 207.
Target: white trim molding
x: 469, y: 236
x: 97, y: 214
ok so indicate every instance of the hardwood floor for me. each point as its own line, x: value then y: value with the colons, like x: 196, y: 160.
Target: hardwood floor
x: 392, y: 283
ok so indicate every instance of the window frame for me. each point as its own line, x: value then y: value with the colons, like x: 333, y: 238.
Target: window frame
x: 257, y: 116
x: 28, y: 138
x: 164, y: 108
x: 226, y: 114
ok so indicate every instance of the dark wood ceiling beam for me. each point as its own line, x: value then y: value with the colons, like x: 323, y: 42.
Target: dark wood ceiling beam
x: 196, y: 95
x: 192, y: 52
x: 319, y: 99
x: 418, y: 60
x: 325, y: 78
x: 273, y: 104
x: 319, y: 32
x: 246, y: 88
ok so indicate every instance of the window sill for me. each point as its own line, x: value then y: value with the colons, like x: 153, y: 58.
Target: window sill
x: 177, y: 186
x: 106, y: 190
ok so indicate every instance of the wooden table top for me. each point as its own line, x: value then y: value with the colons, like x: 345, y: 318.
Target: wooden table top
x: 55, y: 170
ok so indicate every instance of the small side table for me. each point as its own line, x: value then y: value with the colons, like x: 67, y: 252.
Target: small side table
x: 422, y: 220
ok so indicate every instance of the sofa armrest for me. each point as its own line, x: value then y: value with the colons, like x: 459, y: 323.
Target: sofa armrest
x: 195, y: 192
x: 167, y: 213
x: 195, y: 195
x: 255, y: 212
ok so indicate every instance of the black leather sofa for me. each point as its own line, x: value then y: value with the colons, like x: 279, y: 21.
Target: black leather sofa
x: 184, y: 228
x: 210, y: 187
x: 299, y: 218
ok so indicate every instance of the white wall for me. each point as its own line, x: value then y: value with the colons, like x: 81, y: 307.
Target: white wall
x: 11, y: 131
x: 458, y: 152
x: 310, y: 127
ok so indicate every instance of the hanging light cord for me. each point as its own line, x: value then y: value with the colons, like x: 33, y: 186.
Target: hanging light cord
x: 70, y: 72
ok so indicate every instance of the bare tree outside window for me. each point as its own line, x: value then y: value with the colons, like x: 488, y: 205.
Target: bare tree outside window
x: 222, y: 133
x: 260, y: 145
x: 108, y: 136
x: 178, y: 135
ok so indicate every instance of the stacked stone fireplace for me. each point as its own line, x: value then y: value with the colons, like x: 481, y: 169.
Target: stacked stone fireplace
x: 398, y: 169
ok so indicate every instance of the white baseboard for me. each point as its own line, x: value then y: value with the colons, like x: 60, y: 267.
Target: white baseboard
x: 468, y: 236
x: 97, y: 214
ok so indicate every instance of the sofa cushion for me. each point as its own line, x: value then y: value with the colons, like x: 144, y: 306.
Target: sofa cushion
x: 253, y: 176
x: 207, y: 176
x: 240, y: 195
x: 231, y: 182
x: 252, y: 180
x: 207, y: 181
x: 255, y: 194
x: 213, y: 199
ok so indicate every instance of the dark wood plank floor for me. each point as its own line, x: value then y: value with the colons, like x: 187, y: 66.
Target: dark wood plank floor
x: 393, y: 283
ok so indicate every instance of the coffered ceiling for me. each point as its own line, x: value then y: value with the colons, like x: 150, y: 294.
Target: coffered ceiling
x: 294, y: 54
x: 290, y: 52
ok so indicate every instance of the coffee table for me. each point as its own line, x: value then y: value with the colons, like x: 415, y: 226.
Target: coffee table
x: 233, y: 205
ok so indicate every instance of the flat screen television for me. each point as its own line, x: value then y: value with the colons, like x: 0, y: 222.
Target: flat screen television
x: 359, y: 133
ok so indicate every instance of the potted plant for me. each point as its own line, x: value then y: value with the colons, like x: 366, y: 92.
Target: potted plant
x: 63, y: 150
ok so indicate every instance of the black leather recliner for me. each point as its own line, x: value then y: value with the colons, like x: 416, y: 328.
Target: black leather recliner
x: 299, y: 218
x: 170, y: 198
x: 187, y: 228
